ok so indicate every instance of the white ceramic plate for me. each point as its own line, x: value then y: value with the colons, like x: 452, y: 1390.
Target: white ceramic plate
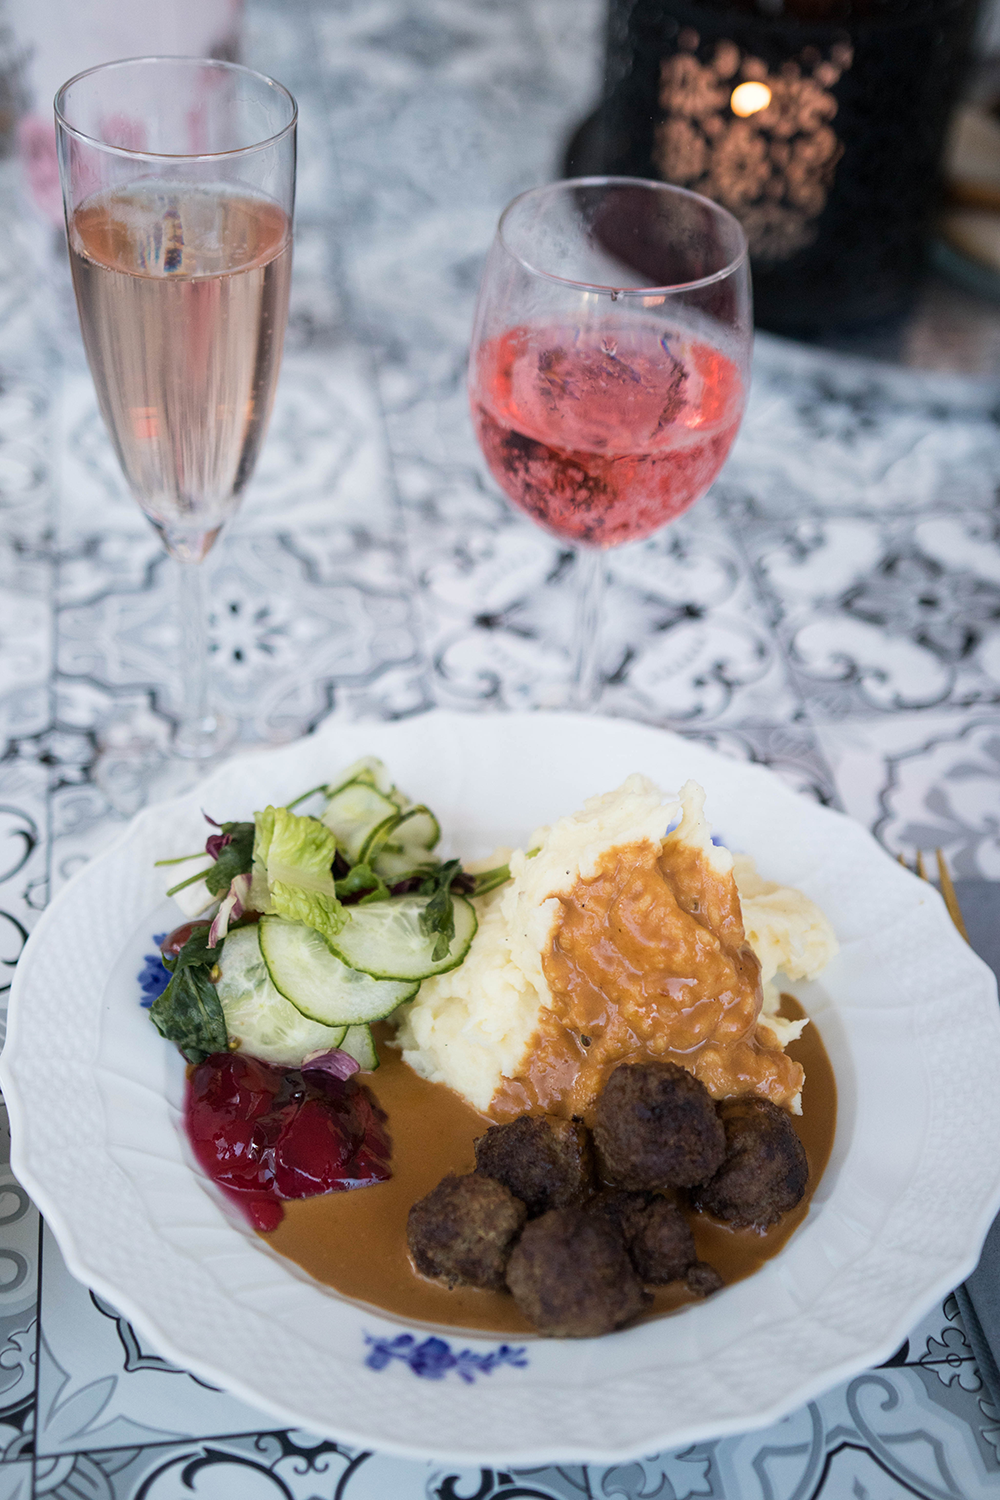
x: 909, y: 1016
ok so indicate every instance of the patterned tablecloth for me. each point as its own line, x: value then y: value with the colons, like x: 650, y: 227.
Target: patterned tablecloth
x: 830, y: 609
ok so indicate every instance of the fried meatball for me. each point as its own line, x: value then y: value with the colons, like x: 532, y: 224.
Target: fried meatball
x: 546, y: 1162
x: 655, y: 1126
x: 462, y: 1232
x: 618, y: 1205
x: 657, y: 1236
x: 570, y: 1276
x: 765, y: 1170
x: 659, y: 1242
x: 702, y: 1280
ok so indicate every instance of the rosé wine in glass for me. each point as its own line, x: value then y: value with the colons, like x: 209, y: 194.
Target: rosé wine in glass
x: 603, y: 437
x: 609, y: 367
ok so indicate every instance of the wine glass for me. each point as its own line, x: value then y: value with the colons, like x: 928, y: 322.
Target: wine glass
x: 178, y: 179
x: 609, y: 368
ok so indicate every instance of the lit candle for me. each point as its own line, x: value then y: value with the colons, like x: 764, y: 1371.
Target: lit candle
x: 749, y: 99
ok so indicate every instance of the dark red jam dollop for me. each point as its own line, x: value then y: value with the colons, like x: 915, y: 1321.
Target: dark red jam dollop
x: 265, y: 1133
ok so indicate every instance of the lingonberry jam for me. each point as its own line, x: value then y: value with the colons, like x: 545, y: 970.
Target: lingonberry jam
x: 266, y: 1133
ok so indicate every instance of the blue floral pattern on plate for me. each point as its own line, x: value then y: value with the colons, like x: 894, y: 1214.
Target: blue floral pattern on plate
x: 434, y: 1358
x: 154, y: 978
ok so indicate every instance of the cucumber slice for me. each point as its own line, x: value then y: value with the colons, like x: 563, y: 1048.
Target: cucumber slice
x: 354, y: 812
x: 257, y: 1016
x: 303, y: 969
x: 360, y: 1044
x: 379, y: 838
x: 404, y: 848
x: 418, y: 828
x: 385, y: 939
x: 368, y: 769
x: 396, y: 867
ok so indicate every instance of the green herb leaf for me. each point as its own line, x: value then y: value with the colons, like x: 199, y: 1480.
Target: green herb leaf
x: 235, y: 858
x: 488, y: 880
x: 189, y: 1014
x: 181, y: 884
x: 196, y: 951
x: 362, y: 878
x: 438, y: 916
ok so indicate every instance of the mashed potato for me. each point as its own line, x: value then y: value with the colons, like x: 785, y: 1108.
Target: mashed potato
x: 478, y: 1027
x: 788, y: 933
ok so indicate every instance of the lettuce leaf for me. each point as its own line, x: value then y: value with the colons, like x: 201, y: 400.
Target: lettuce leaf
x: 292, y: 862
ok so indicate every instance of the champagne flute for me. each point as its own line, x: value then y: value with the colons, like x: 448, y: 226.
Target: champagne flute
x: 609, y: 368
x: 178, y: 179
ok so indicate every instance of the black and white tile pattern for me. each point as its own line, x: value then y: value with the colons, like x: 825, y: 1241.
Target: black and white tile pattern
x: 832, y: 610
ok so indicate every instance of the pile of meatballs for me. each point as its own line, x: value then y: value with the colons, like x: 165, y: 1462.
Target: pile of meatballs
x: 576, y: 1224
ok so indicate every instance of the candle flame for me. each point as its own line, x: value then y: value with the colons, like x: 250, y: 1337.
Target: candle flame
x: 749, y: 99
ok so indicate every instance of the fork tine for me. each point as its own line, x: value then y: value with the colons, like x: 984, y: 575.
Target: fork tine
x: 948, y: 892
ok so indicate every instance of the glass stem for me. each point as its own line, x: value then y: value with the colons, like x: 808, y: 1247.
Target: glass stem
x: 197, y: 731
x: 591, y: 573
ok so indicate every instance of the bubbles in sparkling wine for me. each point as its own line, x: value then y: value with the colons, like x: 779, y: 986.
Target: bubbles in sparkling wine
x: 603, y: 436
x: 183, y: 294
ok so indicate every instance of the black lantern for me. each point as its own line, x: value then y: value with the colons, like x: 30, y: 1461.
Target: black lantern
x: 821, y: 133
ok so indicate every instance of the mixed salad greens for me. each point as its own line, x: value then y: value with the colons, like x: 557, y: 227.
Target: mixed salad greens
x: 320, y: 925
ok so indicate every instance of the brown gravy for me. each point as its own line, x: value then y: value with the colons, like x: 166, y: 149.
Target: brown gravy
x: 356, y: 1242
x: 648, y: 959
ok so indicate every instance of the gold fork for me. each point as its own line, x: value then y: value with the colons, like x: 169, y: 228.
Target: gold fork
x: 945, y: 881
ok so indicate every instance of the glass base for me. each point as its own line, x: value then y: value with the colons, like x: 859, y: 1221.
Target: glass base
x: 187, y: 545
x: 202, y: 739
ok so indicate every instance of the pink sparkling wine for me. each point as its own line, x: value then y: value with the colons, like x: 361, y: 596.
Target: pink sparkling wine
x: 605, y: 434
x: 183, y: 297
